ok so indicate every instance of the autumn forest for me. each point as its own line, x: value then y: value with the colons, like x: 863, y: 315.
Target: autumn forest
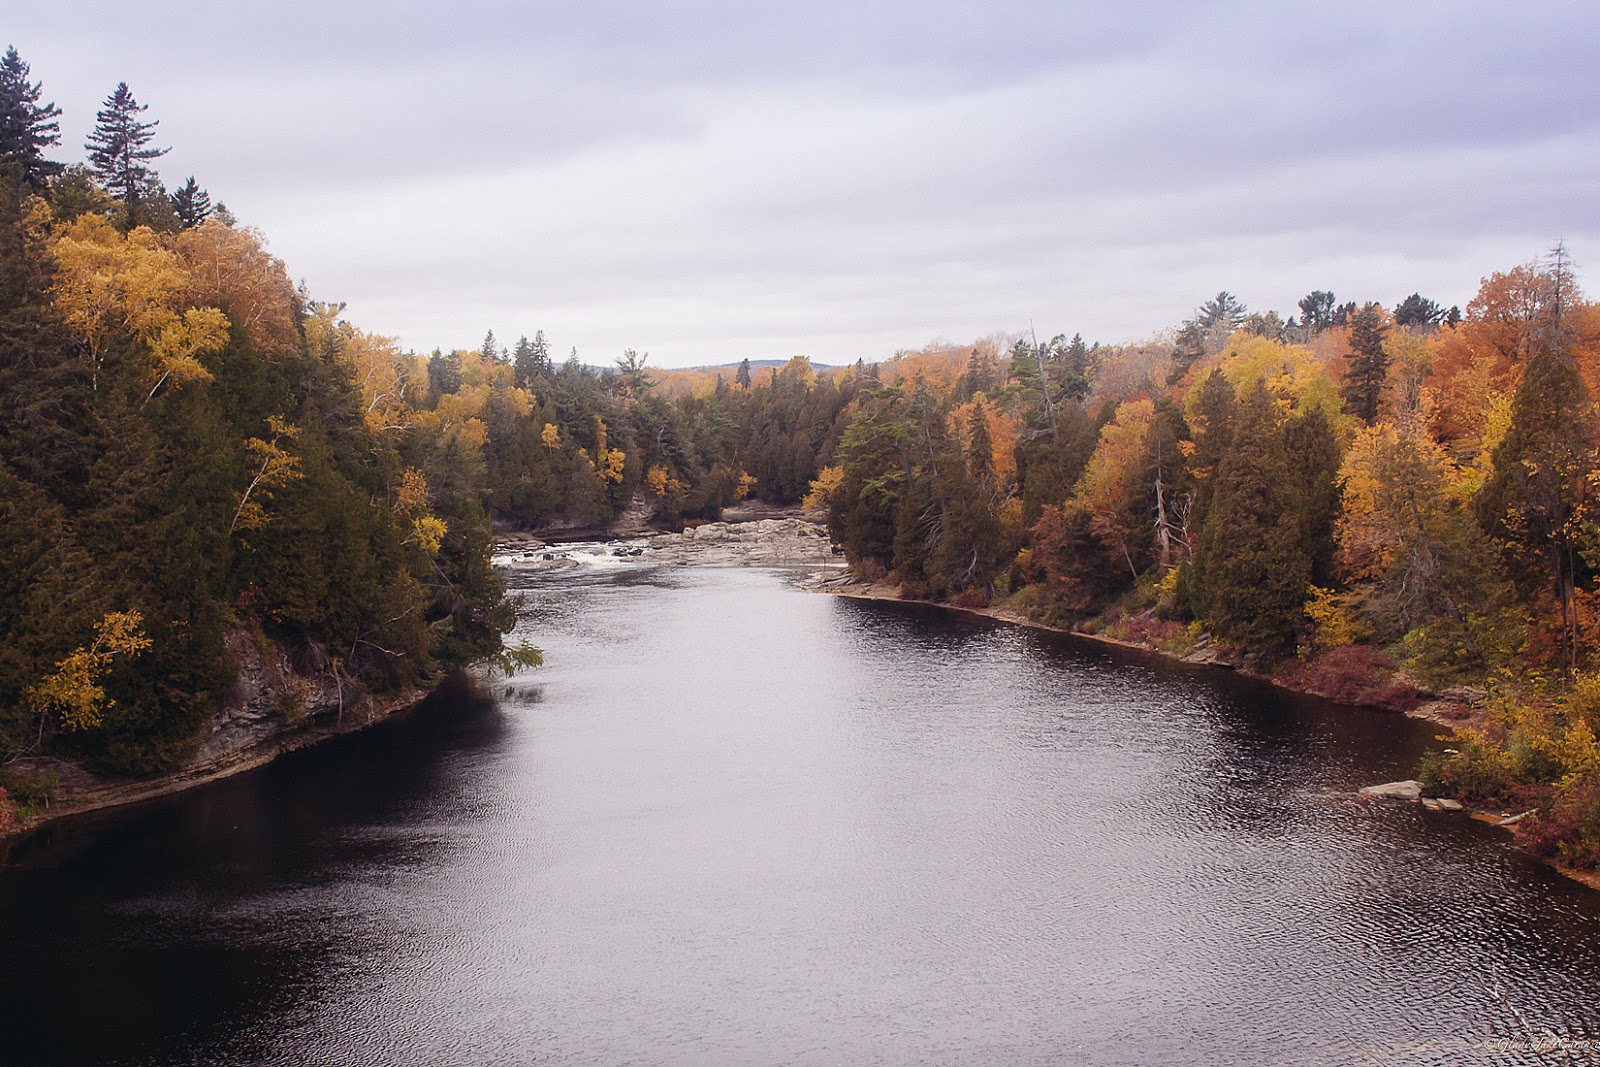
x: 1366, y: 501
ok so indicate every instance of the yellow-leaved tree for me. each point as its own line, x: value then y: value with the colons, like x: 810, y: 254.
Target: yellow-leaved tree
x: 73, y: 693
x: 275, y: 466
x: 108, y: 284
x: 411, y: 502
x: 820, y: 493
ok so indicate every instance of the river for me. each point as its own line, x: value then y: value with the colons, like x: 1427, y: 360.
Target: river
x: 734, y: 823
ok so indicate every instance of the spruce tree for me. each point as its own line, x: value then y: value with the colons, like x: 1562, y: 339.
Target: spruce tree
x: 1252, y: 569
x: 531, y: 361
x: 191, y: 204
x: 1314, y: 457
x: 444, y: 374
x: 1544, y: 481
x: 1369, y: 364
x: 742, y: 375
x: 119, y: 148
x: 27, y: 127
x: 522, y: 362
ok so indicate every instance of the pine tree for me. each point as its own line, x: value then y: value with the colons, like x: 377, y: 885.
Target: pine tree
x: 1224, y: 311
x: 27, y: 127
x: 490, y: 349
x: 1417, y: 310
x: 119, y: 147
x: 1317, y: 309
x: 1369, y: 364
x: 742, y: 376
x: 192, y: 204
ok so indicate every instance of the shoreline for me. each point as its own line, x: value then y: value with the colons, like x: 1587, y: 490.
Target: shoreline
x: 854, y: 589
x: 104, y: 794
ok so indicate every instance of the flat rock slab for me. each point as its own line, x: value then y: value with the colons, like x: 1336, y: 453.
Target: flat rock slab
x: 1410, y: 789
x: 1441, y: 804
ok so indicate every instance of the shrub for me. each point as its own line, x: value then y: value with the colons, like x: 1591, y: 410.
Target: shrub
x: 1353, y: 674
x: 1477, y: 772
x: 27, y: 793
x: 1569, y: 829
x: 1146, y: 629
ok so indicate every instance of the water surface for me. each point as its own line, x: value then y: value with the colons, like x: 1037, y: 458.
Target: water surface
x: 734, y: 823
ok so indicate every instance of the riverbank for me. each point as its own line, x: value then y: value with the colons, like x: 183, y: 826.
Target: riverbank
x: 1444, y: 710
x: 271, y: 710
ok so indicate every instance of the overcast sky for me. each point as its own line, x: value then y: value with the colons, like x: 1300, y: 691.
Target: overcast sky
x: 707, y: 180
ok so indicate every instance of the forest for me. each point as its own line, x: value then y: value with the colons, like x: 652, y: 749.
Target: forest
x: 1365, y: 501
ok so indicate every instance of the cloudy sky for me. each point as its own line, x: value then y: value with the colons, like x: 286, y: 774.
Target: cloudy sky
x: 707, y: 180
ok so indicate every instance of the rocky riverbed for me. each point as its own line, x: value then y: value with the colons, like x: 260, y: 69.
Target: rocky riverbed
x: 779, y: 542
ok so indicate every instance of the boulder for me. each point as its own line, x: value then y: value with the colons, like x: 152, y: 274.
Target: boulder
x: 1441, y: 804
x: 1410, y: 789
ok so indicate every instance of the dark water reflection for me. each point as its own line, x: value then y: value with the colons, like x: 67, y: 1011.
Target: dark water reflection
x: 731, y: 823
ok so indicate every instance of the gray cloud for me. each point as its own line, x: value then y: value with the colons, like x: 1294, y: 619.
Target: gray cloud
x: 711, y: 180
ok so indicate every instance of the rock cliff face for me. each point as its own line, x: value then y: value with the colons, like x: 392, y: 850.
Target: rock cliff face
x: 270, y: 698
x: 271, y: 709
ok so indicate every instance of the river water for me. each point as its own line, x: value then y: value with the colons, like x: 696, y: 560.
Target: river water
x: 734, y: 823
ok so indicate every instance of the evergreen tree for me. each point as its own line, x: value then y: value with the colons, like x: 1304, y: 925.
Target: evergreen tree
x: 1544, y: 481
x: 1214, y: 412
x: 1223, y: 310
x: 742, y: 376
x: 119, y: 148
x: 1369, y: 364
x: 1077, y: 371
x: 490, y: 349
x: 1252, y: 569
x: 1417, y: 310
x: 192, y: 204
x: 1317, y: 309
x: 1187, y: 348
x: 27, y: 127
x: 1314, y: 456
x: 444, y: 373
x: 531, y: 360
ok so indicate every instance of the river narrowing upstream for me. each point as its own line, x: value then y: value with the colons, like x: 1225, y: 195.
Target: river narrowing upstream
x: 731, y: 823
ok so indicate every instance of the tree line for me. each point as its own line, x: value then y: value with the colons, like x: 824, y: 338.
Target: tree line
x: 195, y: 452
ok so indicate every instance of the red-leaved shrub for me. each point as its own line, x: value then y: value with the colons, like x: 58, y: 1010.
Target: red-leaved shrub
x: 1354, y: 674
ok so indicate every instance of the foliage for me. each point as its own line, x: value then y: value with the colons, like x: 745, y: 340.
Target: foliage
x: 72, y: 692
x: 119, y: 148
x: 27, y: 127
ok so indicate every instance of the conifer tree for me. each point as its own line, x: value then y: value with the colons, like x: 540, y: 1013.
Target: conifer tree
x: 1544, y: 481
x: 192, y: 204
x: 1252, y: 568
x: 531, y: 360
x: 119, y: 147
x: 742, y: 376
x: 1317, y: 310
x: 27, y: 127
x: 1369, y: 364
x: 490, y: 349
x: 1314, y: 457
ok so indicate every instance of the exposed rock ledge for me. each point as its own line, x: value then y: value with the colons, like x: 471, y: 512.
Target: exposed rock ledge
x: 271, y: 709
